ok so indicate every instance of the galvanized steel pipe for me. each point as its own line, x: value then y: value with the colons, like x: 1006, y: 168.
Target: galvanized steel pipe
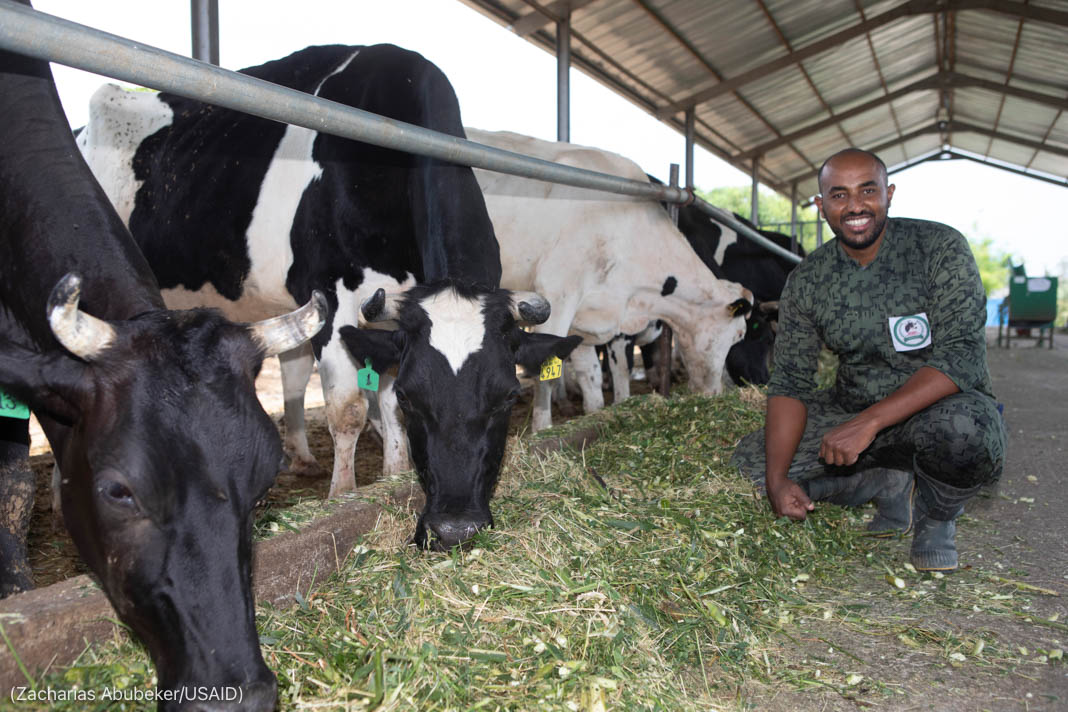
x: 53, y: 39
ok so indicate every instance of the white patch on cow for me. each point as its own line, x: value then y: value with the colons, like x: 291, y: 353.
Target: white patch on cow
x: 119, y: 120
x: 728, y: 236
x: 288, y: 176
x: 456, y: 325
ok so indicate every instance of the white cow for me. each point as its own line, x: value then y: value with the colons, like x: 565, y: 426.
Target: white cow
x: 608, y: 264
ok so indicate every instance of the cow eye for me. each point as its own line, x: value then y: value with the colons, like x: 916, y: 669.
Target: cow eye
x: 117, y: 493
x: 402, y: 399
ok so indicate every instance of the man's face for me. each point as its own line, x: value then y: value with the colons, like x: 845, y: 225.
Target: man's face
x: 855, y: 199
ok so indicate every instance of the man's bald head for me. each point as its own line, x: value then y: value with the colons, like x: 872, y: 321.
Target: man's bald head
x: 853, y: 153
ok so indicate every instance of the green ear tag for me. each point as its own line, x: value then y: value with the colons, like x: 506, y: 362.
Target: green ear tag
x: 551, y: 368
x: 11, y: 407
x: 367, y: 378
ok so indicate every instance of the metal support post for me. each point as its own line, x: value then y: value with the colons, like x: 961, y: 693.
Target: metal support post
x: 793, y: 217
x: 663, y: 351
x: 754, y: 211
x: 204, y: 20
x: 690, y: 120
x: 563, y: 79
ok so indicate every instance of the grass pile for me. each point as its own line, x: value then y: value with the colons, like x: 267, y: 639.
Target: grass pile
x: 641, y: 573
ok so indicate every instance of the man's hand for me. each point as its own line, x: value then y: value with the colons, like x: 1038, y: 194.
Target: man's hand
x: 843, y: 444
x: 789, y: 500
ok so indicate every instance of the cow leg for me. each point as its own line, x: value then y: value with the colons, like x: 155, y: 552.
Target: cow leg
x: 542, y: 417
x: 588, y: 370
x: 57, y: 500
x: 394, y: 439
x: 619, y: 367
x: 17, y: 488
x: 346, y: 413
x: 296, y: 369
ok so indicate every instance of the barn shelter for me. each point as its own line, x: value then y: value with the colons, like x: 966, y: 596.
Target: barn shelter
x: 775, y: 86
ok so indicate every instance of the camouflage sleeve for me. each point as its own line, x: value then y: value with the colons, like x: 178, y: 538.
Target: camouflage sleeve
x: 797, y: 343
x: 958, y: 314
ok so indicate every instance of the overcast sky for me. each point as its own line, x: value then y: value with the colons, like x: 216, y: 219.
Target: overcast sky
x: 505, y: 83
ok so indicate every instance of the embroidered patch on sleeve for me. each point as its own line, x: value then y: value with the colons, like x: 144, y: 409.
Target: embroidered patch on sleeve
x: 910, y: 332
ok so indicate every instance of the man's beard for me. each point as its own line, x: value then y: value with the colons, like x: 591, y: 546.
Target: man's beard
x: 865, y: 241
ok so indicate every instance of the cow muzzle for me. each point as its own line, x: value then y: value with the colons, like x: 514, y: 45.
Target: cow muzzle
x: 441, y: 531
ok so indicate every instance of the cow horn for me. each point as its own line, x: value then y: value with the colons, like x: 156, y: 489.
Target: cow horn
x: 381, y: 306
x: 82, y: 334
x: 768, y: 307
x: 288, y: 331
x: 530, y: 308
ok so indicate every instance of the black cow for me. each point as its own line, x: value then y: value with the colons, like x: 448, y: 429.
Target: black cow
x: 250, y: 215
x: 151, y: 414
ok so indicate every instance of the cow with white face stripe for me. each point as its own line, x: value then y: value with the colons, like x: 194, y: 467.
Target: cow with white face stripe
x: 465, y: 342
x: 249, y: 215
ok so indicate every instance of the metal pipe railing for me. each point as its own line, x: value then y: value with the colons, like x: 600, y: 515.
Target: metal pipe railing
x: 53, y: 39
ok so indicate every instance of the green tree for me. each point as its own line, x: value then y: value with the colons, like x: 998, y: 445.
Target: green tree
x: 992, y: 262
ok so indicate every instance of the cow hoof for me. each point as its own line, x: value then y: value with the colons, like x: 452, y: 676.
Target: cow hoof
x: 303, y: 468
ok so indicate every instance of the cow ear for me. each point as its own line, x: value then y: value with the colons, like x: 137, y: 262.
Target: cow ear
x: 381, y: 346
x: 50, y: 384
x: 534, y: 349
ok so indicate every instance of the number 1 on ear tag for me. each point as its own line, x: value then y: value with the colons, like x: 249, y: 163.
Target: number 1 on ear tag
x: 11, y: 407
x: 551, y: 368
x: 367, y: 378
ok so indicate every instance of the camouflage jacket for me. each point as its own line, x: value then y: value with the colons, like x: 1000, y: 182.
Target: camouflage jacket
x: 919, y: 303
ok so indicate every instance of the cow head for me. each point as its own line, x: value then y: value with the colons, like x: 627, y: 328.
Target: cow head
x: 456, y: 349
x: 707, y: 318
x: 164, y: 451
x: 749, y: 359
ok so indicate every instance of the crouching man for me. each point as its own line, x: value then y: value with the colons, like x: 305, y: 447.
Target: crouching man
x: 911, y: 423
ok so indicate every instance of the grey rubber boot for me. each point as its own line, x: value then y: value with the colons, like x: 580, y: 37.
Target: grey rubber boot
x: 890, y: 490
x: 934, y: 546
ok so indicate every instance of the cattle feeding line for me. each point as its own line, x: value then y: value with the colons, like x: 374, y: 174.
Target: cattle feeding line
x: 36, y: 34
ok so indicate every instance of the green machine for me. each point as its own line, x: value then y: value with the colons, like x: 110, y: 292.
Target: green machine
x: 1031, y: 304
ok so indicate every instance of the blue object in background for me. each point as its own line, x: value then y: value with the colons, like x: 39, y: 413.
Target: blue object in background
x: 992, y: 304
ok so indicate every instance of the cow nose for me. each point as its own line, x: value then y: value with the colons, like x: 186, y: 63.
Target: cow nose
x: 251, y: 697
x: 451, y: 530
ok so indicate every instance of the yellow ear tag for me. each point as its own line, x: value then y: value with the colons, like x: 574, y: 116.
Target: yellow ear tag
x: 11, y: 407
x: 551, y: 368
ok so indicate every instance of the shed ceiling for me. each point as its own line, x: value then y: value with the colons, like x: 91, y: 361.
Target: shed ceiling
x: 789, y: 82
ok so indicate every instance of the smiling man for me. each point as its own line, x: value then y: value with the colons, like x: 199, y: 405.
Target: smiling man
x: 911, y: 423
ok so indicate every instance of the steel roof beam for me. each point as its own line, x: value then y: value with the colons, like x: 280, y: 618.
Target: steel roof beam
x: 953, y: 126
x: 547, y: 15
x: 944, y: 80
x: 953, y: 155
x: 907, y: 9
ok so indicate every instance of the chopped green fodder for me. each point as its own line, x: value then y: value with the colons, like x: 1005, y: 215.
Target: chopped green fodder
x: 638, y: 574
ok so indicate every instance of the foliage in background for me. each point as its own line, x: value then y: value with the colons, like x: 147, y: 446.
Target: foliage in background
x: 993, y: 265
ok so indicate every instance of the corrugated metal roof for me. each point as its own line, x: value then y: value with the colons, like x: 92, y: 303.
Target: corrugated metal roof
x: 792, y: 81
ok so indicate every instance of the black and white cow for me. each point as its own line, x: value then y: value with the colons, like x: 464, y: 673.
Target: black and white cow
x: 152, y: 414
x: 763, y: 272
x: 249, y: 215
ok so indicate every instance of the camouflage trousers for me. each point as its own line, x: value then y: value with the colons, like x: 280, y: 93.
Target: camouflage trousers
x: 959, y: 441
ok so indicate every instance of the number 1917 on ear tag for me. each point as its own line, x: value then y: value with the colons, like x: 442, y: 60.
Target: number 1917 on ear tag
x: 551, y: 368
x: 367, y: 378
x: 11, y: 407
